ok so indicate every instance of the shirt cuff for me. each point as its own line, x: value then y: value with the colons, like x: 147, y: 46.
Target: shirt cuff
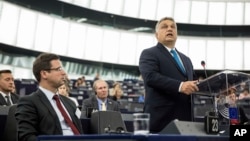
x: 180, y: 87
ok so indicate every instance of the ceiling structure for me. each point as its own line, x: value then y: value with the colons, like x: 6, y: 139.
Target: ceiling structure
x: 98, y: 13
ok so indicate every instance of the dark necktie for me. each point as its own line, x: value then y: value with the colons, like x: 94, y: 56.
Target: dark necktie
x: 65, y: 115
x: 178, y: 61
x: 8, y: 100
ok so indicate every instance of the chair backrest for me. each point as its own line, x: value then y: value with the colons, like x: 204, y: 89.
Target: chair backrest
x: 10, y: 130
x: 3, y: 116
x: 135, y: 107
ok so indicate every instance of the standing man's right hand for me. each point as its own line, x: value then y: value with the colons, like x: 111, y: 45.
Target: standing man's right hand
x: 189, y: 87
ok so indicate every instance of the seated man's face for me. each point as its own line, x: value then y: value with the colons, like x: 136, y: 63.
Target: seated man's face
x: 101, y: 90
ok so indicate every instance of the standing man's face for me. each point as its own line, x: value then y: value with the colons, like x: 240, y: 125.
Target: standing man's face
x: 166, y: 32
x: 101, y: 90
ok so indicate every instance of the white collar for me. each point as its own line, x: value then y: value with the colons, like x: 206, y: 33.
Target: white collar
x: 3, y: 94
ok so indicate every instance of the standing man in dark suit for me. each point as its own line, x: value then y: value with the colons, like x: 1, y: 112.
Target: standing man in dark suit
x: 7, y: 98
x: 168, y: 85
x: 100, y: 99
x: 39, y: 113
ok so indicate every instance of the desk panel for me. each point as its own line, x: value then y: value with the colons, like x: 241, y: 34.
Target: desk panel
x: 173, y: 137
x: 93, y: 138
x: 131, y: 137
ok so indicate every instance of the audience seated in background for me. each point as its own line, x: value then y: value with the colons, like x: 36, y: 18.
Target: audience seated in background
x: 65, y: 89
x: 141, y: 97
x: 14, y: 89
x: 7, y: 85
x: 242, y: 87
x: 232, y: 100
x: 100, y: 100
x: 245, y: 93
x: 84, y: 83
x: 97, y: 76
x: 80, y: 82
x: 229, y: 98
x: 116, y: 92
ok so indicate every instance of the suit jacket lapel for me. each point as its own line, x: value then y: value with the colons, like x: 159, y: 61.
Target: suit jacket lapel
x: 67, y: 106
x: 95, y: 103
x: 2, y: 100
x: 71, y: 113
x: 47, y: 104
x: 14, y: 98
x: 109, y: 105
x: 168, y: 54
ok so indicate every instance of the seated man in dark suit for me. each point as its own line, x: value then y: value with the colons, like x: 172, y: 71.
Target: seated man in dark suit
x: 100, y: 100
x: 7, y: 85
x: 45, y: 112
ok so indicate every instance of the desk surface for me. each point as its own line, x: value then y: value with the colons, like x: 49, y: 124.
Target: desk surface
x: 123, y: 137
x: 132, y: 137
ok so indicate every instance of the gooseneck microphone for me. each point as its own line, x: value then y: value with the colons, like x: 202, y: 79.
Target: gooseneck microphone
x: 211, y: 118
x: 203, y: 64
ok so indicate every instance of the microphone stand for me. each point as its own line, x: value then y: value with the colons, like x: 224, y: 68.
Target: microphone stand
x: 211, y: 118
x: 210, y: 91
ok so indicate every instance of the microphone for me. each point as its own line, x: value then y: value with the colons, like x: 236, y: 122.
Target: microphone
x: 120, y: 130
x: 107, y: 129
x: 211, y: 119
x: 203, y: 64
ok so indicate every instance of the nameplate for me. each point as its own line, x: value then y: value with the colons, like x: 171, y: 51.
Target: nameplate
x: 211, y: 123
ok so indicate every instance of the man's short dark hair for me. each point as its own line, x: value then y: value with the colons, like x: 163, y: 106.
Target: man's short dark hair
x: 43, y: 62
x: 163, y: 19
x: 5, y: 71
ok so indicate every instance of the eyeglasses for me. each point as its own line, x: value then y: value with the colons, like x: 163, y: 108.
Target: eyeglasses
x: 55, y: 69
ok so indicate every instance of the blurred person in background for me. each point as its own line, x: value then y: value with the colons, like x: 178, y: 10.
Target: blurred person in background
x: 80, y: 82
x: 229, y: 99
x: 8, y: 96
x: 14, y: 89
x: 141, y: 98
x: 100, y: 98
x: 97, y: 76
x: 245, y: 93
x: 242, y: 87
x: 65, y: 89
x: 116, y: 92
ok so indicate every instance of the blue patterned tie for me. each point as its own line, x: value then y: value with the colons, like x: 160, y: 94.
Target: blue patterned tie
x: 178, y: 61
